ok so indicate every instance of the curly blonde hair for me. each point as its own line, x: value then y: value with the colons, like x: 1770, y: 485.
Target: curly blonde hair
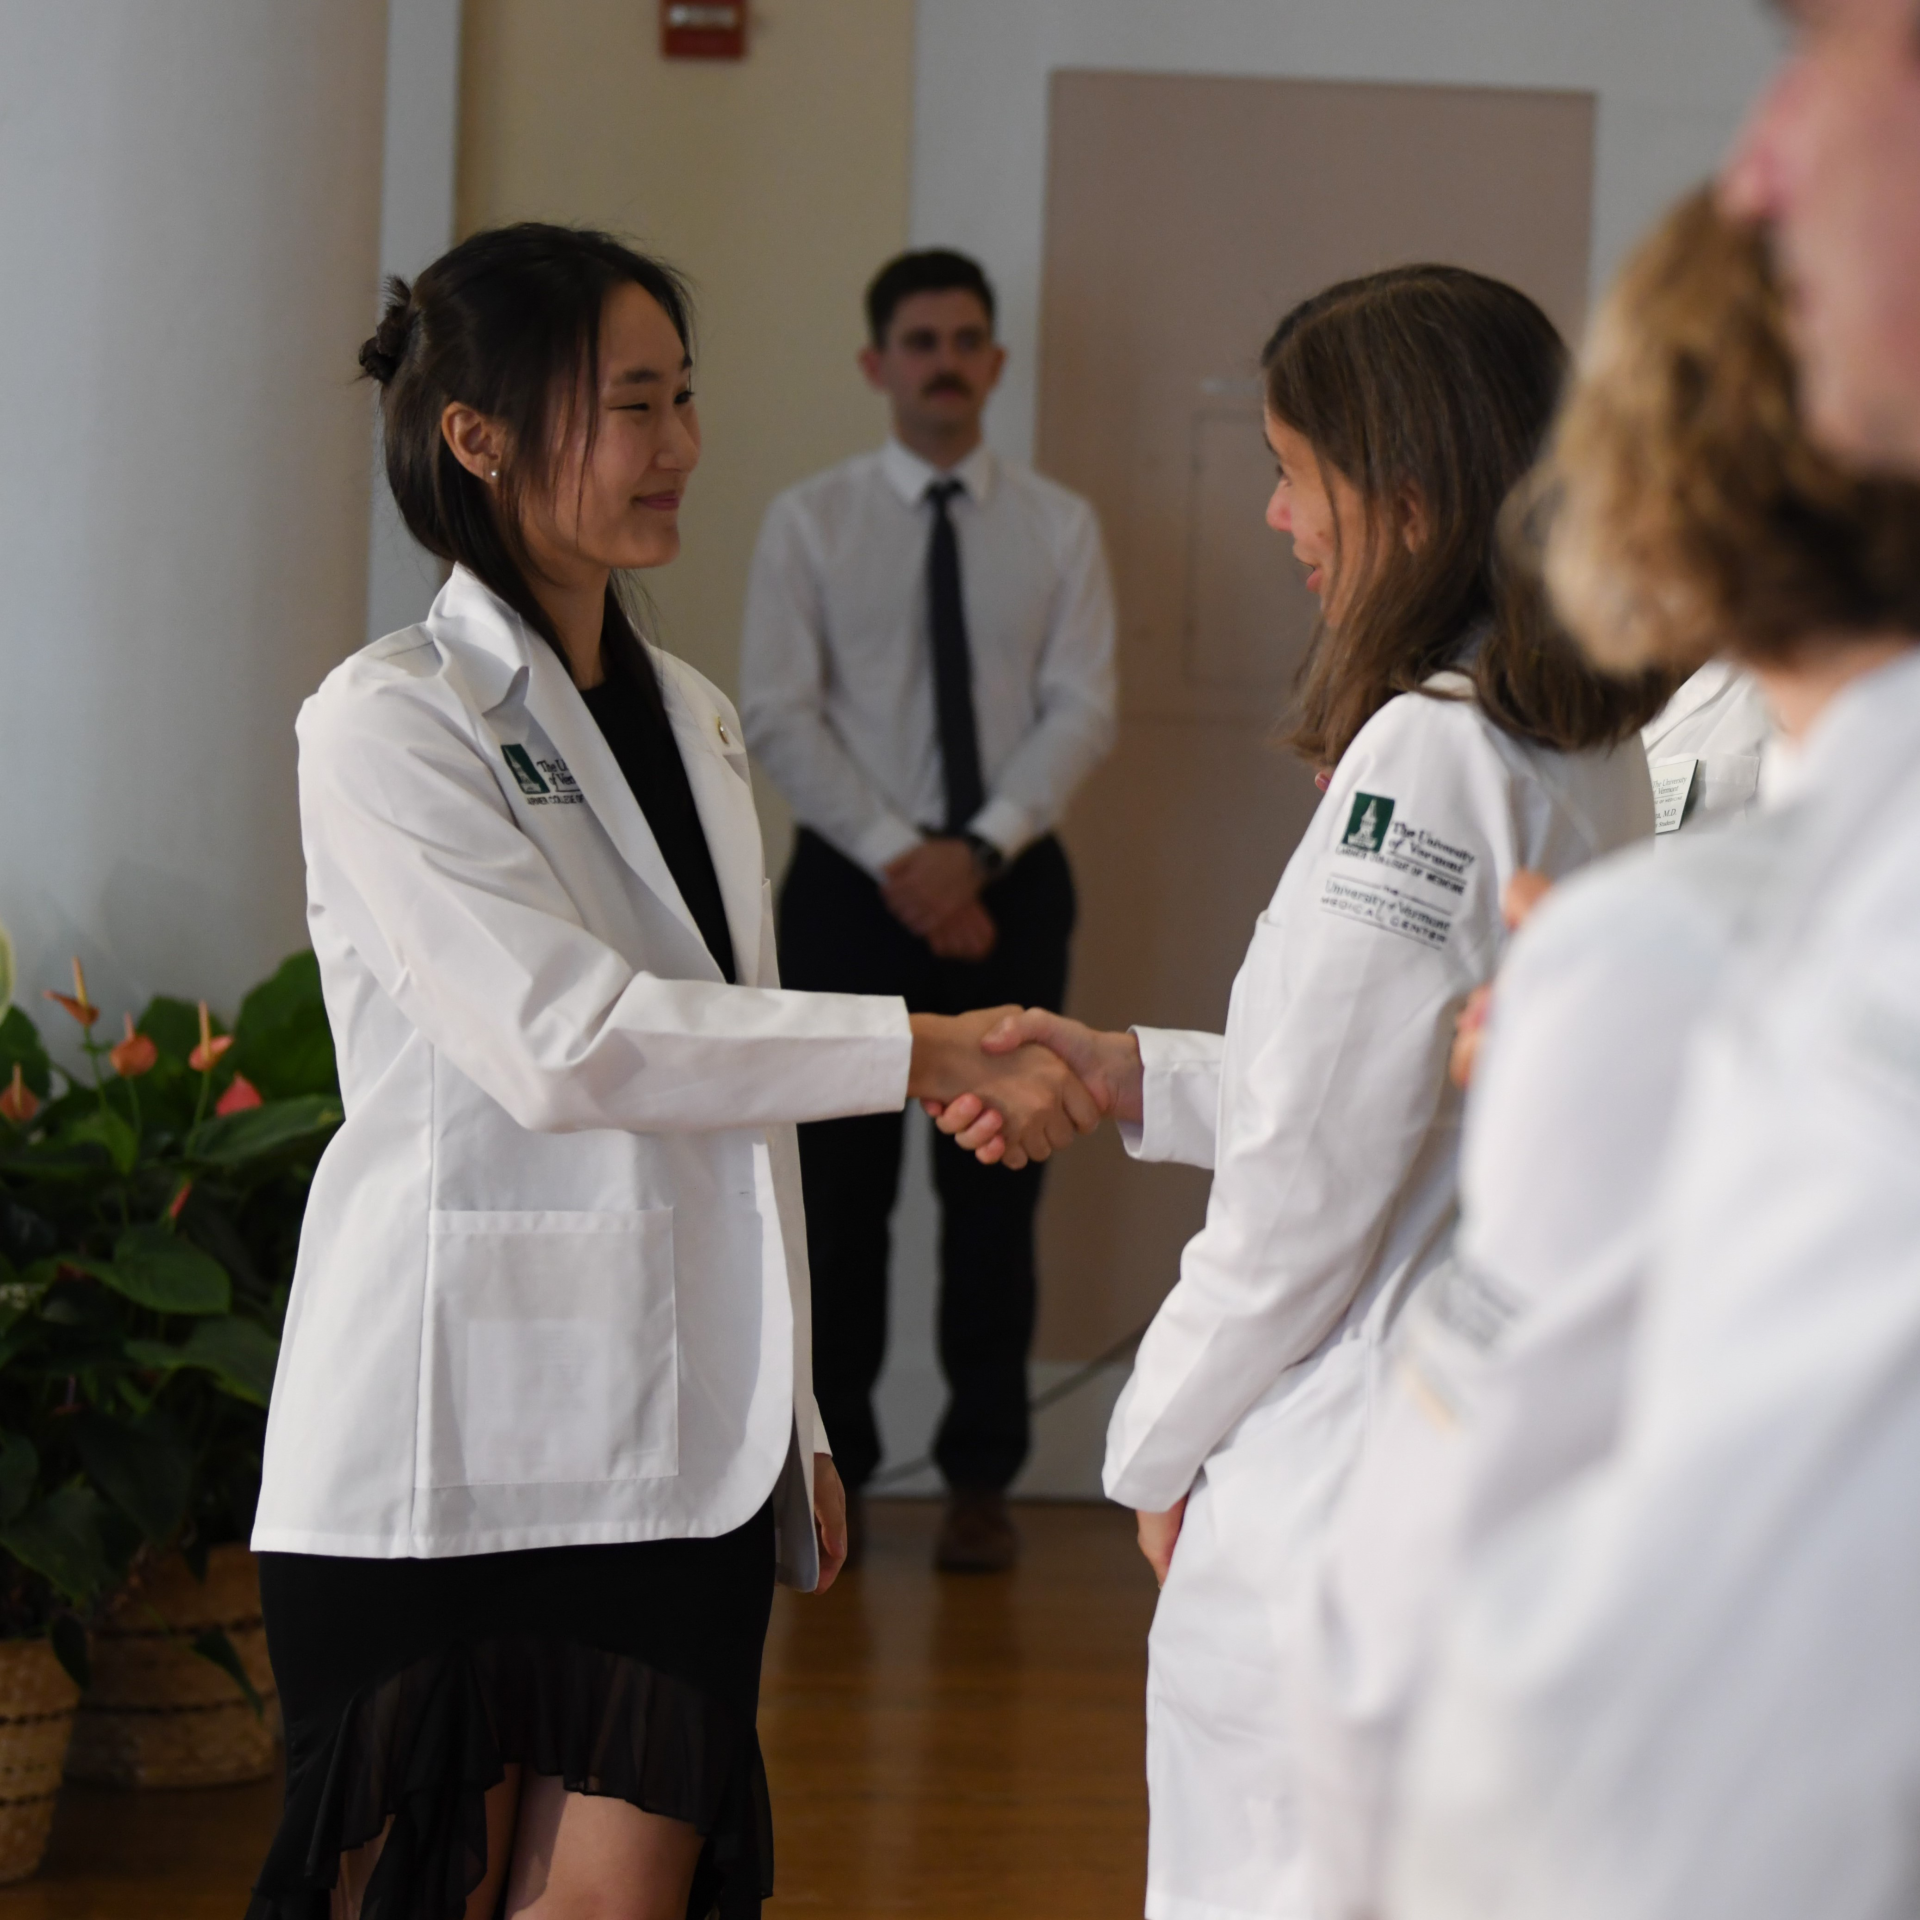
x: 1685, y: 512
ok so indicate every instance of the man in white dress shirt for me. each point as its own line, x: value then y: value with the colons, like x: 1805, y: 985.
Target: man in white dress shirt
x: 927, y: 674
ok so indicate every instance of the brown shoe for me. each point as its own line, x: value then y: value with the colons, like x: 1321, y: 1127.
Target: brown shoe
x: 977, y: 1536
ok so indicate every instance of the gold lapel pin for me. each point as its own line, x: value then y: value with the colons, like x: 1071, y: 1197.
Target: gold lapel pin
x: 720, y: 727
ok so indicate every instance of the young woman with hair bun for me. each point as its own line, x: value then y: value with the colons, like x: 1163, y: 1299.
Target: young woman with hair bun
x: 1460, y: 738
x: 543, y: 1431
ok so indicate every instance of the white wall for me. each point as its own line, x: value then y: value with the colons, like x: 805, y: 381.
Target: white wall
x: 189, y: 211
x: 1672, y: 76
x: 416, y: 226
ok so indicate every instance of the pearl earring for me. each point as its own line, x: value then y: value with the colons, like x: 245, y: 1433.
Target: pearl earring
x: 494, y: 474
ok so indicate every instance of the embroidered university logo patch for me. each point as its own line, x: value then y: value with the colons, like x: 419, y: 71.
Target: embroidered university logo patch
x: 1368, y: 822
x: 520, y: 765
x: 546, y: 782
x: 1391, y: 874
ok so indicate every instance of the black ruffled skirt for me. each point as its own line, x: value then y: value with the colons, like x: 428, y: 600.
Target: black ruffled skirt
x: 408, y: 1686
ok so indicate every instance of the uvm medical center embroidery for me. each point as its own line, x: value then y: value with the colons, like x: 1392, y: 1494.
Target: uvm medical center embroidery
x: 1395, y: 876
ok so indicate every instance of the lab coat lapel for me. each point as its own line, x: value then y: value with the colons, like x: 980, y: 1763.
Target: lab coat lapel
x: 555, y: 704
x: 495, y: 649
x: 725, y: 804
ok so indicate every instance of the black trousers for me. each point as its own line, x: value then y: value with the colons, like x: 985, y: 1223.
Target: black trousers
x: 837, y: 936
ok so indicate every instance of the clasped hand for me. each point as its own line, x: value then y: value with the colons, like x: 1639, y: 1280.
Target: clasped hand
x: 1018, y: 1097
x: 1101, y: 1078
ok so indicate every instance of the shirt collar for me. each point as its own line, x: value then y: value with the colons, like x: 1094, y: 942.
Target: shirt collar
x: 910, y: 476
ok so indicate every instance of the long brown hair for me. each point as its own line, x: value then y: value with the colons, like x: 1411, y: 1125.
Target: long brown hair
x: 1435, y: 384
x: 1688, y: 513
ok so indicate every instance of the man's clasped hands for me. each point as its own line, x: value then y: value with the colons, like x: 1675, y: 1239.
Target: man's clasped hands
x: 1014, y: 1085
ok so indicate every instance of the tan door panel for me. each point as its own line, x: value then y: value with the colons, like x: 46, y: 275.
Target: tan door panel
x: 1185, y: 214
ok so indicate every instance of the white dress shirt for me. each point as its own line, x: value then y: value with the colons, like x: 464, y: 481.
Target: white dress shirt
x: 836, y: 659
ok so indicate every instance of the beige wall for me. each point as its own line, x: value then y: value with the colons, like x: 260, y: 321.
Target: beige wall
x: 778, y: 184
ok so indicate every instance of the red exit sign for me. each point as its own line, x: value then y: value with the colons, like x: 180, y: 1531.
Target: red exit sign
x: 703, y: 29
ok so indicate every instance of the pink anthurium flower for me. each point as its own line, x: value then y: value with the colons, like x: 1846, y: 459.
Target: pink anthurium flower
x: 211, y: 1046
x: 17, y: 1103
x: 134, y: 1055
x: 76, y: 1002
x: 179, y: 1199
x: 241, y: 1095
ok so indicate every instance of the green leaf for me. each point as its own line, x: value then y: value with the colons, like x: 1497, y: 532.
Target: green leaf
x: 231, y: 1139
x: 160, y: 1270
x: 145, y: 1470
x: 18, y: 1465
x: 214, y: 1645
x: 238, y: 1353
x: 63, y: 1540
x: 111, y: 1131
x: 70, y: 1648
x: 282, y: 1041
x: 20, y: 1042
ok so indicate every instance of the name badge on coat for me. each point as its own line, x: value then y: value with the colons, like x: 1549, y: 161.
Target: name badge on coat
x: 1673, y: 785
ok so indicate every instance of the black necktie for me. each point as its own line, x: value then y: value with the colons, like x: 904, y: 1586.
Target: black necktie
x: 952, y: 665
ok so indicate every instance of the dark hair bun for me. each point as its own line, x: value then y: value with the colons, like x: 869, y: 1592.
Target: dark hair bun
x: 382, y: 353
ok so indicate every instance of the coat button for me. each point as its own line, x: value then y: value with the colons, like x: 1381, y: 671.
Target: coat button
x: 720, y: 727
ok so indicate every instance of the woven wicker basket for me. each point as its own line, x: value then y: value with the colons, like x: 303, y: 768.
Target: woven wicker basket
x: 157, y: 1714
x: 36, y: 1721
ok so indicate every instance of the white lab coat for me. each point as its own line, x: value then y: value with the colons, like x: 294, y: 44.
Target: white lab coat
x: 1506, y: 1371
x: 1332, y: 1139
x: 552, y: 1283
x: 1691, y: 1685
x: 1706, y: 747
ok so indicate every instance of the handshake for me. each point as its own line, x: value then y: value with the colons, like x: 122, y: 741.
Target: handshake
x: 1012, y: 1086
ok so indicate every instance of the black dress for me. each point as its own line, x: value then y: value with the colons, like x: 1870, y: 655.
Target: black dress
x: 408, y: 1686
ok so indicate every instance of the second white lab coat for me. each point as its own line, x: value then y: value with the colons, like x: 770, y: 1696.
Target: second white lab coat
x: 1689, y: 1688
x: 1713, y: 735
x: 552, y: 1284
x: 1332, y: 1140
x: 1507, y: 1368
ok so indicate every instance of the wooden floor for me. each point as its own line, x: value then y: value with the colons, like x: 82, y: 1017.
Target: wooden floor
x: 944, y: 1747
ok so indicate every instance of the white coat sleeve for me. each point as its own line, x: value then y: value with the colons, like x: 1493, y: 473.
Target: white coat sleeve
x: 783, y: 686
x: 412, y: 850
x: 1179, y: 1096
x: 1333, y: 1085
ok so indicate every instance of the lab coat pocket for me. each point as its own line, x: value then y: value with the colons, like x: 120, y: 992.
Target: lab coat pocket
x: 551, y: 1349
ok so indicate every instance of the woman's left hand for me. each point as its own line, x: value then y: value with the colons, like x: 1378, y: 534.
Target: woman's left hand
x: 829, y: 1519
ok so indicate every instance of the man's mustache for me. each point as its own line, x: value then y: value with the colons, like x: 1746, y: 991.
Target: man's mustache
x: 946, y: 383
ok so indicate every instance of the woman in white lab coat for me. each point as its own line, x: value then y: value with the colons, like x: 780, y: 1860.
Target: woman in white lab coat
x: 1460, y: 739
x: 543, y: 1423
x: 1692, y: 515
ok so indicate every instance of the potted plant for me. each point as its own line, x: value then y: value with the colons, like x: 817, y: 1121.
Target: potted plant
x: 149, y: 1214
